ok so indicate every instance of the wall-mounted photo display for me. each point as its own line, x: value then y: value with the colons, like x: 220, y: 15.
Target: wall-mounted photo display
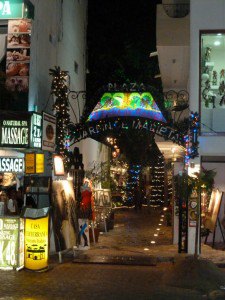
x: 17, y: 69
x: 18, y: 55
x: 17, y: 40
x: 19, y: 26
x: 19, y: 84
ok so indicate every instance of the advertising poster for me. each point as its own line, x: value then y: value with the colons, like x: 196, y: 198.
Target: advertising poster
x: 64, y: 214
x: 36, y: 243
x: 213, y: 210
x: 18, y: 55
x: 9, y: 228
x: 49, y: 132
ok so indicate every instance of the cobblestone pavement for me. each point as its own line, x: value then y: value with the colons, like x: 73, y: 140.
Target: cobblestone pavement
x: 132, y: 234
x: 84, y: 282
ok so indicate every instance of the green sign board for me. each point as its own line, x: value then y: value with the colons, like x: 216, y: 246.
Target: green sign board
x: 36, y: 131
x: 11, y: 9
x: 9, y: 229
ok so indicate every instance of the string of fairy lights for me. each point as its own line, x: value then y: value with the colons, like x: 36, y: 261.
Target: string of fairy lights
x: 191, y: 139
x: 157, y: 190
x: 59, y: 89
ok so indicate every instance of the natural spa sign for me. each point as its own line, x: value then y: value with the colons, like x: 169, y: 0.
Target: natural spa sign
x: 21, y: 130
x: 11, y: 9
x: 14, y: 133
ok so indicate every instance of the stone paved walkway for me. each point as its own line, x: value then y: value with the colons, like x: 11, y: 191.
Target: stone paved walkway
x: 134, y: 234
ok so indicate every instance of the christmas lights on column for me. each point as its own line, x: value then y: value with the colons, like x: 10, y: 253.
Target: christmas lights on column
x: 157, y: 184
x: 59, y: 89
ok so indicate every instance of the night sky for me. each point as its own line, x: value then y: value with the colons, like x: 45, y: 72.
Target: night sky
x: 121, y: 35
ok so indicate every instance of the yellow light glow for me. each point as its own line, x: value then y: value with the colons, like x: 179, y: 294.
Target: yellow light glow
x: 36, y: 243
x: 146, y: 249
x: 158, y: 229
x: 155, y: 234
x: 152, y: 242
x: 160, y: 224
x: 69, y: 177
x: 58, y: 165
x: 165, y: 208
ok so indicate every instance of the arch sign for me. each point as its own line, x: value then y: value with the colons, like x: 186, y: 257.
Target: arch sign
x: 125, y: 110
x: 93, y: 129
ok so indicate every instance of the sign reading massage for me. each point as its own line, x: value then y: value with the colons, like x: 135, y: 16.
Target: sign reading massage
x: 21, y: 130
x: 11, y: 9
x: 14, y: 133
x: 11, y: 164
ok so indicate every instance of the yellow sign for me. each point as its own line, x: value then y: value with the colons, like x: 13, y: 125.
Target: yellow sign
x: 30, y: 163
x: 36, y: 243
x: 34, y: 163
x: 40, y: 163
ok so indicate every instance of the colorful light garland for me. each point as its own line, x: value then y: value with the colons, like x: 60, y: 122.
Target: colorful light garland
x: 191, y: 140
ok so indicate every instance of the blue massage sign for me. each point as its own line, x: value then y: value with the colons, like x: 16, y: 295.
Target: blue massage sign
x: 11, y: 9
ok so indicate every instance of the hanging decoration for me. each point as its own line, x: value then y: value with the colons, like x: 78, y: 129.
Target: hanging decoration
x: 59, y: 89
x: 134, y: 172
x: 157, y: 190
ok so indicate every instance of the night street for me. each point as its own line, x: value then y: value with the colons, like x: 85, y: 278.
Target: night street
x: 112, y: 149
x: 132, y: 233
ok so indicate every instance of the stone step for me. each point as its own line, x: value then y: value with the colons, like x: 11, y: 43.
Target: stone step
x: 116, y: 260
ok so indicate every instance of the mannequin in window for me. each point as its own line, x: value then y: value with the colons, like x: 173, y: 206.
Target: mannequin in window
x: 86, y: 199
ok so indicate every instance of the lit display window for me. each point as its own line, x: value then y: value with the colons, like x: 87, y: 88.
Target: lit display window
x: 212, y: 83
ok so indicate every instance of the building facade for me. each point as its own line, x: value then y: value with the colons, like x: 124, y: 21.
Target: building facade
x: 190, y: 46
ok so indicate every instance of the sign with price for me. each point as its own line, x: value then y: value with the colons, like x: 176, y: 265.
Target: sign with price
x: 9, y: 242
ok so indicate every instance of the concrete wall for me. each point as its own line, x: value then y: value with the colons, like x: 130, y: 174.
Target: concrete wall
x: 171, y: 31
x: 59, y: 39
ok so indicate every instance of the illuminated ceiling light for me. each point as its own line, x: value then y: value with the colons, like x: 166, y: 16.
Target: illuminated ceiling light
x: 160, y: 224
x: 158, y: 229
x: 217, y: 43
x: 162, y: 216
x: 219, y: 34
x: 165, y: 208
x: 152, y: 242
x: 146, y: 249
x: 155, y: 234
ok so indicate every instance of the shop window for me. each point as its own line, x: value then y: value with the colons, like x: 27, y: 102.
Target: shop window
x: 212, y: 98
